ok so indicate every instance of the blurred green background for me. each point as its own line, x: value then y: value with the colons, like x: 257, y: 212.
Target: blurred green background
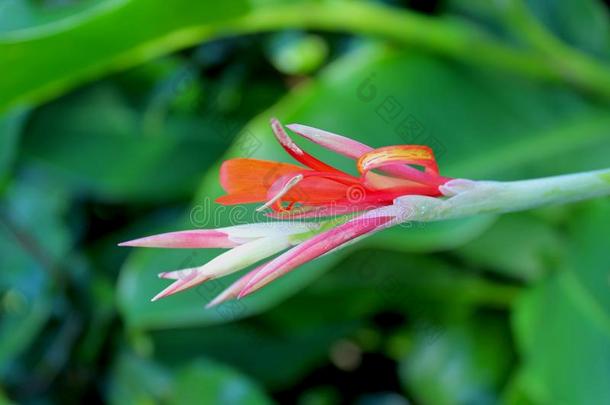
x: 115, y: 114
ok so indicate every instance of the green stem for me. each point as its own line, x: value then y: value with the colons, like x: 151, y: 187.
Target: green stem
x: 448, y: 36
x: 468, y: 197
x: 576, y: 66
x: 452, y: 37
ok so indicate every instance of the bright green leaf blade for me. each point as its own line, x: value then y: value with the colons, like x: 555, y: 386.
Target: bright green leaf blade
x: 105, y: 35
x: 584, y: 24
x: 11, y: 125
x: 33, y: 242
x: 464, y: 363
x: 563, y: 324
x: 205, y: 382
x: 100, y: 146
x: 135, y: 380
x: 138, y: 380
x: 302, y: 330
x: 507, y: 249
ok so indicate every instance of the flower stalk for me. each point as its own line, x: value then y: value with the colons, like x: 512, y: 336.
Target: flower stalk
x: 467, y: 197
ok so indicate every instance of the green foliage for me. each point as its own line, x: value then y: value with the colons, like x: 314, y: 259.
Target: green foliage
x: 137, y: 381
x: 10, y: 128
x: 466, y: 363
x: 563, y: 323
x: 99, y: 36
x: 34, y: 241
x: 116, y: 114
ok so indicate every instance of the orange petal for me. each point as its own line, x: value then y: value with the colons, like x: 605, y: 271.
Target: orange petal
x: 244, y: 173
x: 245, y: 197
x: 247, y: 180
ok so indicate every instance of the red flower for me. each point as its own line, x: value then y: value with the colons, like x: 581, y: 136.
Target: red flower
x: 314, y: 189
x: 319, y: 189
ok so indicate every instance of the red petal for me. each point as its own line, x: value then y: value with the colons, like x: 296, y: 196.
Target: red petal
x: 296, y: 152
x: 314, y: 188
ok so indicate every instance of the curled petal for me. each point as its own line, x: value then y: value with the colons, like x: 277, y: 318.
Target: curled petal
x: 234, y: 260
x: 354, y: 150
x: 284, y: 185
x: 401, y: 186
x: 201, y: 238
x: 390, y: 156
x: 296, y: 152
x: 404, y: 154
x: 313, y: 248
x: 382, y: 182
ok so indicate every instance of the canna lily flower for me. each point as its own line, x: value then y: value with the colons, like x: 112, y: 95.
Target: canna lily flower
x: 313, y: 190
x: 318, y: 189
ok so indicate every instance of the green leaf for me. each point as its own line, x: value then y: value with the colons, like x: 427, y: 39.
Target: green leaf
x: 137, y: 380
x: 102, y: 38
x: 100, y: 145
x: 431, y: 236
x: 515, y: 393
x: 465, y: 363
x: 275, y: 352
x: 505, y: 247
x: 563, y: 324
x: 4, y: 399
x: 281, y: 356
x: 294, y: 337
x: 33, y: 242
x: 372, y: 280
x: 205, y: 382
x: 584, y: 24
x: 11, y: 125
x: 537, y: 130
x: 295, y: 53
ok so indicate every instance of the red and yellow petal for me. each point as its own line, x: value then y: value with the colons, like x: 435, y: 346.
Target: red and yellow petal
x: 406, y: 156
x: 398, y: 154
